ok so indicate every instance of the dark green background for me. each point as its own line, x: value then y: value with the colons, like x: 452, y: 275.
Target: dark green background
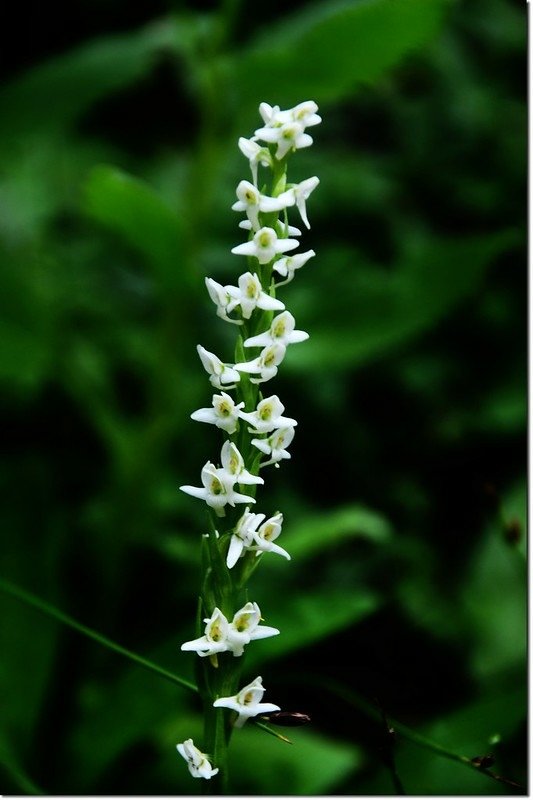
x: 405, y: 498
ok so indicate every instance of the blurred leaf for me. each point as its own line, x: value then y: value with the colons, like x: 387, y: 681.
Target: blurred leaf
x: 377, y: 310
x: 313, y: 765
x: 320, y: 531
x: 307, y: 619
x: 52, y: 96
x: 132, y: 209
x: 324, y: 51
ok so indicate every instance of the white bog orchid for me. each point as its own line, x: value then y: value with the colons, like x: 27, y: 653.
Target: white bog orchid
x: 281, y: 331
x: 220, y: 374
x: 304, y: 113
x: 252, y: 202
x: 265, y: 365
x: 275, y: 446
x: 245, y: 627
x: 198, y: 763
x: 301, y: 194
x: 233, y: 466
x: 287, y: 266
x: 250, y: 295
x: 265, y: 246
x: 224, y: 413
x: 247, y: 702
x: 223, y: 299
x: 215, y: 638
x: 288, y: 136
x: 264, y: 538
x: 217, y: 489
x: 267, y: 416
x: 243, y: 536
x: 255, y: 154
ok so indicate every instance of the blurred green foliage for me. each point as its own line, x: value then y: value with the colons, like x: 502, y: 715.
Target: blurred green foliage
x: 405, y: 498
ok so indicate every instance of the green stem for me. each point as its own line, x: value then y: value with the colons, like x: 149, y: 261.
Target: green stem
x: 55, y: 613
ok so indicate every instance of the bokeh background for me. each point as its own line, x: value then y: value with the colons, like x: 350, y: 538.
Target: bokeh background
x: 405, y: 498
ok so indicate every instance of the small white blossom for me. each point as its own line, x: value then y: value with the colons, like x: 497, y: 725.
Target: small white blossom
x: 217, y: 490
x: 304, y: 113
x: 266, y: 364
x: 265, y: 246
x: 233, y: 466
x: 287, y: 137
x: 267, y: 416
x: 224, y: 301
x: 250, y: 295
x: 252, y: 202
x: 245, y: 628
x: 224, y: 413
x: 247, y: 703
x: 287, y: 266
x: 198, y: 763
x: 275, y: 446
x: 301, y: 193
x: 243, y: 536
x: 215, y: 638
x: 220, y: 374
x: 265, y: 537
x: 255, y: 154
x: 281, y: 331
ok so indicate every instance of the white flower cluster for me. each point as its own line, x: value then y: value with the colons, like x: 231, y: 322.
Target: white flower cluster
x: 256, y: 422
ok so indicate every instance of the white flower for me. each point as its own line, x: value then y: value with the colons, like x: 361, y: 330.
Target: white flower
x: 215, y: 638
x: 217, y: 489
x: 288, y: 136
x: 305, y: 113
x: 198, y: 763
x: 281, y: 331
x: 224, y: 301
x: 267, y: 416
x: 275, y: 446
x: 224, y: 413
x: 265, y: 246
x: 255, y: 155
x: 252, y: 201
x: 301, y: 193
x: 243, y: 536
x: 247, y: 703
x: 219, y: 373
x: 266, y: 364
x: 288, y: 265
x: 233, y: 466
x: 250, y: 295
x: 245, y: 627
x: 265, y: 536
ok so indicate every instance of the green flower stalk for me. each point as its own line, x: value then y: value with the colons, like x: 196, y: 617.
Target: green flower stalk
x: 255, y: 432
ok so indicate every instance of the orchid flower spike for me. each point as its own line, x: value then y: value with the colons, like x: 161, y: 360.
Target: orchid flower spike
x: 198, y: 763
x: 281, y: 331
x: 247, y: 702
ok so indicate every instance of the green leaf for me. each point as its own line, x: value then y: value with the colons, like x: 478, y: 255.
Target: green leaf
x: 379, y: 310
x: 131, y: 208
x: 318, y: 532
x: 53, y: 95
x: 324, y: 51
x: 306, y: 620
x: 315, y: 765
